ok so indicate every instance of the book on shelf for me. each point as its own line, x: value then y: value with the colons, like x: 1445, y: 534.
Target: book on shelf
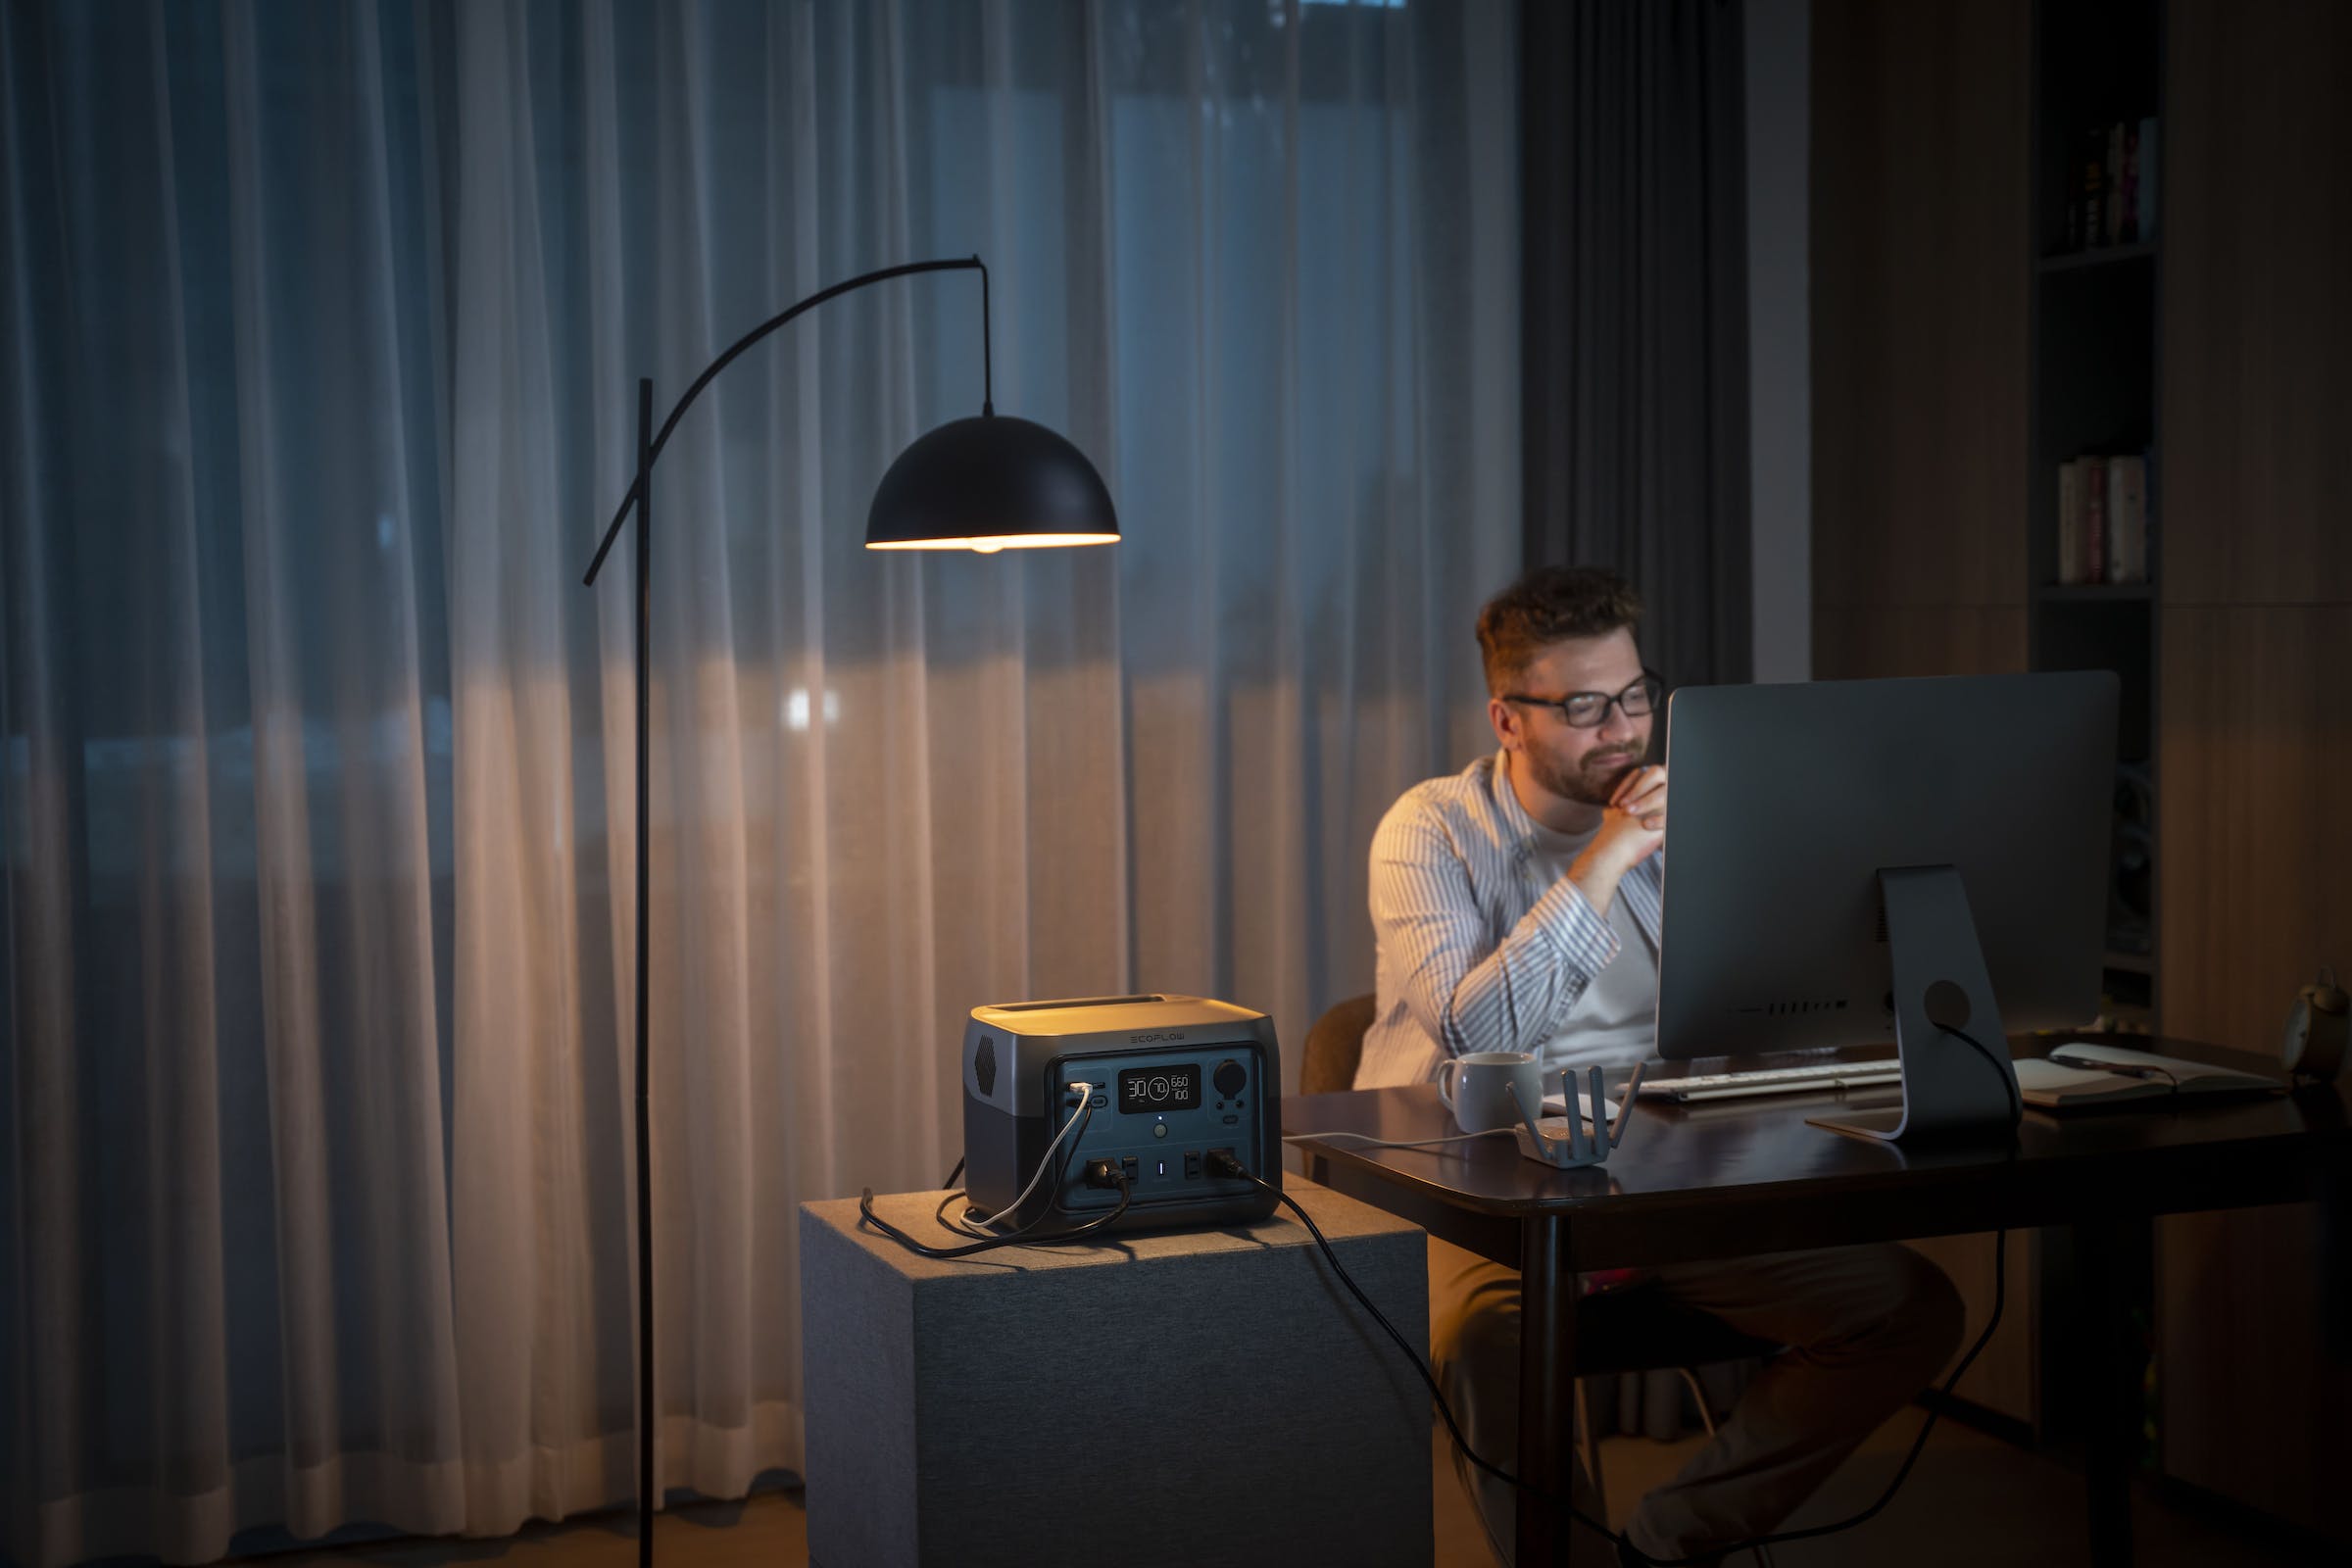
x: 2069, y: 522
x: 2094, y: 520
x: 2093, y: 220
x: 2128, y: 519
x: 2119, y: 192
x: 2111, y: 186
x: 2127, y: 183
x: 2103, y: 518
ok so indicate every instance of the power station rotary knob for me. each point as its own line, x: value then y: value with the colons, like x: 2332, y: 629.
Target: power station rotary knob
x: 1231, y: 1077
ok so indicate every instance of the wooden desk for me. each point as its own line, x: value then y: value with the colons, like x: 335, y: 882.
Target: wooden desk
x: 1747, y: 1177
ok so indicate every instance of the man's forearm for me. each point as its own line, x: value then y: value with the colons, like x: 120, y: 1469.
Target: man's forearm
x: 1510, y: 996
x: 1597, y: 877
x: 1470, y: 987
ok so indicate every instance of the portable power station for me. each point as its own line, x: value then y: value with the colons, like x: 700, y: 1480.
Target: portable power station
x: 1175, y: 1078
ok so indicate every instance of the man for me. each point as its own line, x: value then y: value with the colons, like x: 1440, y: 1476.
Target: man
x: 1515, y: 906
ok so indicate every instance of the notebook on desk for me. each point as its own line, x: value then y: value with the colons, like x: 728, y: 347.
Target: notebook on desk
x: 1557, y: 1106
x: 2083, y: 1073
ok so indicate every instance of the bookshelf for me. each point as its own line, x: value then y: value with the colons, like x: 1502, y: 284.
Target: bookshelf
x: 2093, y: 358
x: 2093, y: 361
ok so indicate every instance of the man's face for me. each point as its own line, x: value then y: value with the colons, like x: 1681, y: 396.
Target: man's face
x: 1577, y: 764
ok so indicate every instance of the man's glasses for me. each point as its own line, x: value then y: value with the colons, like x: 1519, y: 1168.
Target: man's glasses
x: 1591, y: 710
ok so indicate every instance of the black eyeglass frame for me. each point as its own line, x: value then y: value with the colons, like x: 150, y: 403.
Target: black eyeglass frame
x: 1651, y: 682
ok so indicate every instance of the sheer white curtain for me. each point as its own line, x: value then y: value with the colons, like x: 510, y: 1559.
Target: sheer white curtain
x: 318, y: 334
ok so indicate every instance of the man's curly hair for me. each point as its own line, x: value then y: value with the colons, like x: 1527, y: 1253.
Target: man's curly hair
x: 1551, y: 604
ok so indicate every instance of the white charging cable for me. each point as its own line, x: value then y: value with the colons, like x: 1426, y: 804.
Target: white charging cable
x: 1078, y: 1118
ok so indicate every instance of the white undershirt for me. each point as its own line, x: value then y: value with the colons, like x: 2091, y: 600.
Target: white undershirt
x: 1615, y: 1023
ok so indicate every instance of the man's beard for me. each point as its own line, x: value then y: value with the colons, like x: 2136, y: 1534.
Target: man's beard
x: 1594, y: 780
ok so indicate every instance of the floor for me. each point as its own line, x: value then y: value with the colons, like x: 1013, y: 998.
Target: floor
x: 1971, y: 1499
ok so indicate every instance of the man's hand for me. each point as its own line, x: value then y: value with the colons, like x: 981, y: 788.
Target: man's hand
x: 1633, y: 828
x: 1633, y: 825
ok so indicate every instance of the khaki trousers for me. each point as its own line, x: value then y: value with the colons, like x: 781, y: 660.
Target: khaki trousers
x: 1866, y: 1327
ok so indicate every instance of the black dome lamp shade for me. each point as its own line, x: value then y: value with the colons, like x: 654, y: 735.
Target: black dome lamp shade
x: 987, y: 483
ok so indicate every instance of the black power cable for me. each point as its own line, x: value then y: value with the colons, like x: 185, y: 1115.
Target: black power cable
x: 1098, y: 1173
x: 1222, y: 1163
x: 2006, y: 1073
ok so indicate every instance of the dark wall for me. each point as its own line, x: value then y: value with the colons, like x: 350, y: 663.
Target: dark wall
x: 1919, y: 246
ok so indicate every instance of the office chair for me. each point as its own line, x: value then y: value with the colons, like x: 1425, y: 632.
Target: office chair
x: 1632, y: 1328
x: 1333, y: 1048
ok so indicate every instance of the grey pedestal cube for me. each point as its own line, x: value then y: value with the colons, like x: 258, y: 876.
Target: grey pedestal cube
x: 1167, y: 1397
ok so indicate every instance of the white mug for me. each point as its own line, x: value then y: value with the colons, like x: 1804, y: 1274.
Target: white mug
x: 1474, y: 1087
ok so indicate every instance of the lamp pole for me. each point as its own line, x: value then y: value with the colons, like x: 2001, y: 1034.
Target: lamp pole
x: 644, y: 969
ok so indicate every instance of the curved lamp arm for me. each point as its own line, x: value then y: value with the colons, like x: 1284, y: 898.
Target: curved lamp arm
x: 987, y: 382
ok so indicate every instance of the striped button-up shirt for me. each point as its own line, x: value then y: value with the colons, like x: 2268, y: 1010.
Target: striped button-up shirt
x: 1479, y: 945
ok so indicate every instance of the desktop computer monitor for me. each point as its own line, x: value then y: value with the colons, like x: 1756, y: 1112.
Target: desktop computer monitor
x: 1921, y: 860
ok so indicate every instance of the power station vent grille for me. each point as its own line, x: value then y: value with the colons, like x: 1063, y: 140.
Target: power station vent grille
x: 984, y: 1064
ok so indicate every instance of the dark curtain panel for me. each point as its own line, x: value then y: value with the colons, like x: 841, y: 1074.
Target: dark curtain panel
x: 1634, y: 366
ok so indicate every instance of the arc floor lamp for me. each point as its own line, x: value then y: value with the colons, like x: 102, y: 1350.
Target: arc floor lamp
x: 987, y: 483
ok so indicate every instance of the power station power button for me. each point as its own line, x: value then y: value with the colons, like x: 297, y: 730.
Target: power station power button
x: 1230, y: 1077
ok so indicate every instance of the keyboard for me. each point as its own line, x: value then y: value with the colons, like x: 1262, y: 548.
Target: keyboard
x: 1811, y: 1076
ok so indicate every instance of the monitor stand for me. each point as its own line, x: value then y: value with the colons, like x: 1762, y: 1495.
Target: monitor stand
x: 1950, y: 1092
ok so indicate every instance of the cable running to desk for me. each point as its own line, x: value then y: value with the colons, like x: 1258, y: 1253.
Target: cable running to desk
x: 2006, y: 1073
x: 1225, y: 1164
x: 1367, y: 1141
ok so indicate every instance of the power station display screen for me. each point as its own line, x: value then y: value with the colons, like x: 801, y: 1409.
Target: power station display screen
x: 1175, y: 1088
